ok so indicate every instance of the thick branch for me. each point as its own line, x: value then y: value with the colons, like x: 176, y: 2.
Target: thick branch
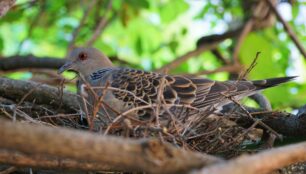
x: 7, y: 170
x: 22, y: 62
x: 217, y: 38
x: 42, y: 94
x: 291, y: 126
x: 24, y: 160
x: 118, y: 153
x: 263, y: 162
x: 283, y: 123
x: 262, y: 101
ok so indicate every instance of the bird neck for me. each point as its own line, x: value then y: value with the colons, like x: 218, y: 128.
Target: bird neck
x: 97, y: 70
x: 99, y: 74
x: 105, y: 62
x: 94, y: 66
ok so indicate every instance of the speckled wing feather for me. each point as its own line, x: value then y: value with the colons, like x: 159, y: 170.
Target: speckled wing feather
x: 139, y: 88
x: 197, y: 92
x: 147, y: 85
x: 175, y: 89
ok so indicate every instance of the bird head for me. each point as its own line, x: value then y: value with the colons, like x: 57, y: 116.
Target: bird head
x: 85, y: 61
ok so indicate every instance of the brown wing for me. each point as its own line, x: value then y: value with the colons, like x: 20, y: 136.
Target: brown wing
x: 212, y: 92
x: 143, y: 88
x: 197, y: 92
x: 146, y: 86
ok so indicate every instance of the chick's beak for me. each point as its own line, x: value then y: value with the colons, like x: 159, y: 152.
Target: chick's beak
x: 66, y: 66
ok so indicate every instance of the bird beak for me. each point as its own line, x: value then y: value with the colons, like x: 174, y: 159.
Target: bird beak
x: 66, y: 66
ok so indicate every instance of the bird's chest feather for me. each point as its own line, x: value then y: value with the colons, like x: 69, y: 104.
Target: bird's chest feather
x: 98, y: 92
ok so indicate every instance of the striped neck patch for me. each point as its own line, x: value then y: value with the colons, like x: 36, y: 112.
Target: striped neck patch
x: 99, y: 74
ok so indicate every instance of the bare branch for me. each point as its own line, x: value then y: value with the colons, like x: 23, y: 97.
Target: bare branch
x: 263, y: 162
x: 205, y: 43
x: 24, y: 160
x: 262, y: 101
x: 247, y: 28
x: 30, y: 61
x: 288, y: 125
x: 42, y: 94
x: 288, y: 29
x: 118, y: 153
x: 217, y: 38
x: 102, y: 24
x: 81, y: 23
x: 187, y: 56
x: 5, y: 5
x: 232, y: 68
x: 8, y: 170
x: 32, y: 25
x: 220, y: 57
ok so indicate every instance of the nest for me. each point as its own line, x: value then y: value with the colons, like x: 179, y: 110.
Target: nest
x: 202, y: 132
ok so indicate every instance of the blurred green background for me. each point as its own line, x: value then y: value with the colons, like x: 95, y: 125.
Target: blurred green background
x: 148, y: 34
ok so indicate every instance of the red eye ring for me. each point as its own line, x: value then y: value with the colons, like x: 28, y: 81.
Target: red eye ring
x: 82, y: 56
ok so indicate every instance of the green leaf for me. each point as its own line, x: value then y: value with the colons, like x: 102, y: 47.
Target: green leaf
x: 184, y: 31
x: 203, y: 12
x: 138, y: 46
x: 295, y: 11
x: 173, y: 46
x: 172, y: 9
x: 12, y: 16
x: 138, y: 3
x: 1, y: 44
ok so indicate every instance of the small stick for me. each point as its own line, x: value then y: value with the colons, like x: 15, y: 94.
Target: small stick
x: 249, y: 115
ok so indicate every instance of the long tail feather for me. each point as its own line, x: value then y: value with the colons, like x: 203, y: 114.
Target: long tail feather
x: 267, y: 83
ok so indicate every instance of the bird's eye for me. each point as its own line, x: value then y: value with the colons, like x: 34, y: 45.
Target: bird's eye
x: 82, y: 56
